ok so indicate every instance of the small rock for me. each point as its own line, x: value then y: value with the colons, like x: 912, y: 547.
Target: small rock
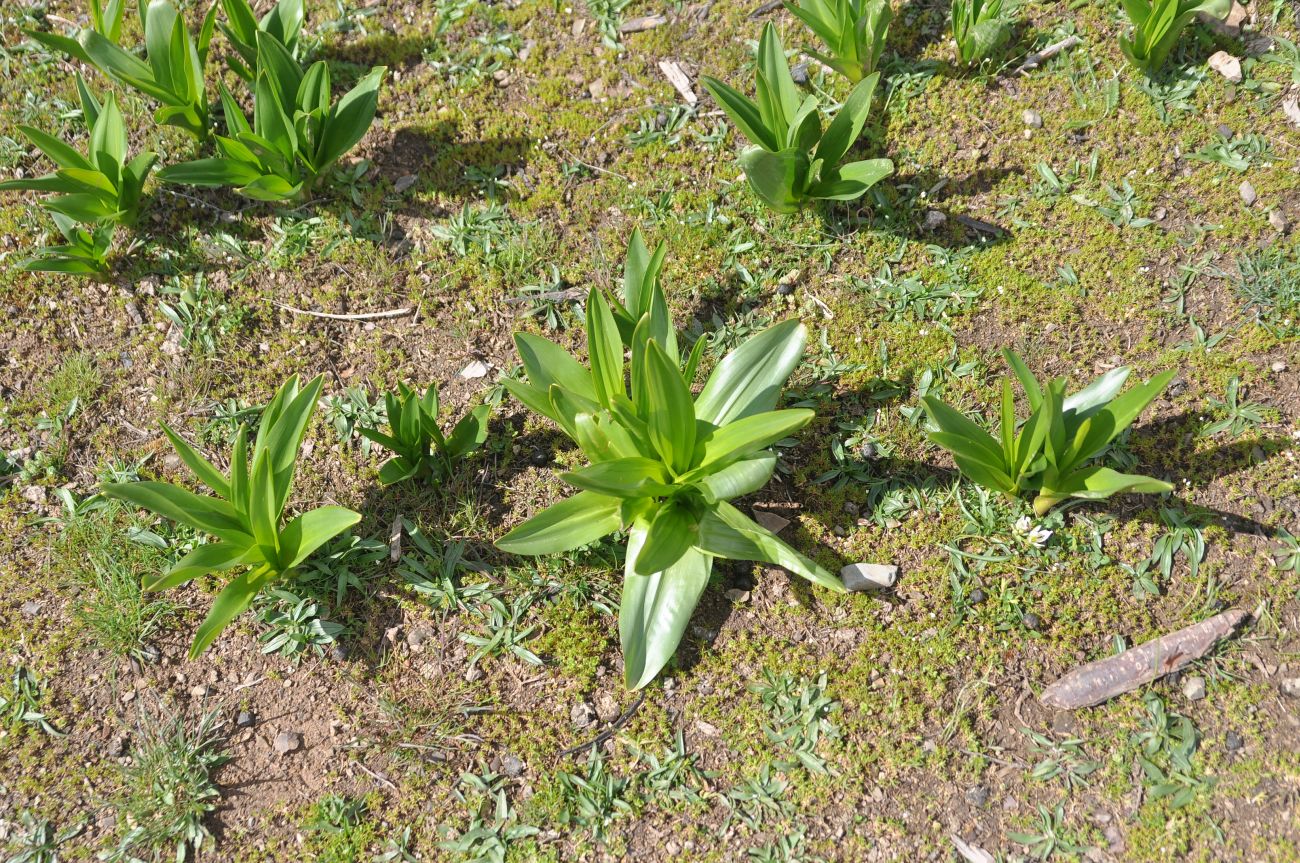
x: 596, y: 89
x: 799, y: 73
x: 1226, y: 65
x: 785, y: 285
x: 540, y: 458
x: 1291, y: 687
x: 1232, y: 741
x: 245, y: 719
x: 501, y: 77
x: 1247, y: 191
x: 151, y: 654
x: 403, y: 183
x: 738, y: 596
x: 934, y: 220
x: 473, y: 674
x: 770, y: 520
x: 34, y: 494
x: 606, y: 707
x: 476, y: 369
x: 1278, y: 366
x: 1278, y: 220
x: 338, y: 651
x: 1032, y: 118
x: 1114, y: 838
x: 511, y: 766
x: 1031, y: 621
x: 977, y: 795
x: 32, y: 607
x: 117, y: 746
x: 200, y: 691
x: 582, y: 715
x: 976, y: 596
x: 1194, y: 688
x: 418, y: 635
x: 869, y: 576
x: 287, y: 741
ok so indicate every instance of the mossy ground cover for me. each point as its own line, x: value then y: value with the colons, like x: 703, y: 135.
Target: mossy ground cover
x: 514, y: 152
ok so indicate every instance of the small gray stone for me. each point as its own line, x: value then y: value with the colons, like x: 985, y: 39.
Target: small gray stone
x: 1232, y: 741
x: 118, y: 746
x: 977, y: 795
x: 869, y: 576
x: 403, y: 183
x: 418, y: 635
x: 606, y: 707
x: 1278, y: 220
x: 151, y: 654
x: 934, y: 220
x: 1291, y: 687
x: 582, y: 715
x: 1194, y: 688
x: 287, y: 741
x: 338, y: 652
x: 1248, y: 196
x: 1032, y: 118
x: 1278, y: 366
x: 511, y: 766
x: 32, y: 607
x: 799, y: 73
x: 245, y: 719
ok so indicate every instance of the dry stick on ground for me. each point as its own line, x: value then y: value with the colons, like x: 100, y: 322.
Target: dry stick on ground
x: 363, y: 316
x: 1038, y: 58
x: 1104, y: 679
x: 608, y: 732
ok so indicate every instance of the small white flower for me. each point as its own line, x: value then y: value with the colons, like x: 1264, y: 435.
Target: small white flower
x: 1038, y: 536
x: 1023, y: 524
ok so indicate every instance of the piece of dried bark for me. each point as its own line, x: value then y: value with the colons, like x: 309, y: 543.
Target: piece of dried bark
x: 640, y: 25
x: 679, y: 79
x: 1104, y: 679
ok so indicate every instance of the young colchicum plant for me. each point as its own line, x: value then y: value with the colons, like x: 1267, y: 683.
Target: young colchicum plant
x: 662, y: 465
x: 100, y: 190
x: 1157, y: 25
x: 422, y: 450
x: 245, y: 514
x: 792, y: 162
x: 1050, y: 452
x: 980, y: 27
x: 172, y: 72
x: 854, y: 32
x: 296, y: 135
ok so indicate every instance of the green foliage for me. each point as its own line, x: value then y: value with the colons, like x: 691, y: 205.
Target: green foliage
x: 662, y: 465
x: 296, y: 135
x: 421, y: 449
x: 793, y: 162
x: 1157, y: 25
x: 241, y: 26
x: 246, y: 512
x: 854, y: 32
x: 167, y: 790
x: 1050, y: 452
x: 172, y: 73
x: 980, y: 27
x: 38, y: 842
x: 101, y: 189
x: 21, y: 704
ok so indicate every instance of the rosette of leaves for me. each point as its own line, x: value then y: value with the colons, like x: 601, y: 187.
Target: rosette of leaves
x: 1050, y: 452
x: 296, y: 136
x: 421, y: 449
x: 854, y: 32
x: 245, y: 512
x: 793, y: 161
x: 1157, y: 25
x: 980, y: 27
x: 662, y: 465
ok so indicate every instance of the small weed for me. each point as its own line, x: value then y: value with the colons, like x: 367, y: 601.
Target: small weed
x: 1180, y: 539
x: 39, y: 842
x: 342, y: 564
x: 758, y: 798
x: 1268, y: 281
x: 1235, y: 153
x: 294, y: 625
x: 1121, y: 206
x: 1064, y: 760
x: 799, y: 710
x: 167, y: 790
x: 201, y: 316
x: 1237, y: 416
x: 21, y: 704
x: 1165, y: 747
x: 595, y: 799
x: 351, y: 410
x: 119, y: 615
x: 488, y: 839
x: 786, y: 849
x: 1049, y: 837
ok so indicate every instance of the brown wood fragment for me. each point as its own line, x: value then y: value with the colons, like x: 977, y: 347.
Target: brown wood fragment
x: 679, y: 79
x: 1104, y: 679
x: 645, y: 22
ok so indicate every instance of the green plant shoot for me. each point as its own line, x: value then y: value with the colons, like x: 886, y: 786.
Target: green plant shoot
x: 421, y: 449
x: 854, y: 32
x: 1157, y: 25
x: 245, y: 512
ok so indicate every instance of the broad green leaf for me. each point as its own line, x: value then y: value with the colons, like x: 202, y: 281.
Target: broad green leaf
x: 954, y: 422
x: 470, y: 433
x: 546, y: 363
x: 203, y: 469
x: 229, y: 604
x: 209, y: 173
x: 846, y: 128
x: 748, y: 380
x: 728, y: 533
x: 577, y: 521
x: 779, y: 179
x: 750, y: 434
x: 350, y: 119
x: 605, y: 348
x: 57, y: 151
x: 671, y: 423
x: 622, y: 477
x: 208, y: 514
x: 212, y: 557
x: 742, y: 477
x: 655, y: 609
x: 852, y: 181
x: 743, y: 113
x: 672, y: 532
x: 311, y: 530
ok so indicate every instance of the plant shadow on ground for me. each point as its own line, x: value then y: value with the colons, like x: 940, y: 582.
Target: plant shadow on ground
x: 444, y: 165
x: 382, y: 49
